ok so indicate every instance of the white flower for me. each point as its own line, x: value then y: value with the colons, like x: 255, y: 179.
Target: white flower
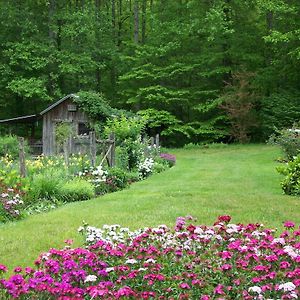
x: 109, y: 269
x: 287, y: 287
x: 90, y: 278
x: 131, y: 261
x: 81, y: 228
x: 279, y: 241
x: 255, y: 289
x: 198, y: 230
x: 150, y: 261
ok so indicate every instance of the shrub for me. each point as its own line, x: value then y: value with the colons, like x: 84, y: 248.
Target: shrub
x: 117, y: 179
x: 170, y: 158
x: 222, y: 261
x: 76, y: 190
x: 288, y: 140
x: 9, y: 145
x: 291, y: 182
x: 45, y: 185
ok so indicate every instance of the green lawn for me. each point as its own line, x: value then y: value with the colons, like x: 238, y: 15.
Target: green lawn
x: 237, y: 180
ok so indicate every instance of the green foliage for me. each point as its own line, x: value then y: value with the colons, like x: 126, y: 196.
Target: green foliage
x: 176, y: 75
x: 279, y: 110
x: 288, y: 140
x: 75, y: 190
x: 94, y: 104
x: 128, y: 136
x: 291, y: 183
x: 45, y: 185
x: 125, y: 128
x: 9, y: 145
x: 117, y: 179
x: 63, y: 131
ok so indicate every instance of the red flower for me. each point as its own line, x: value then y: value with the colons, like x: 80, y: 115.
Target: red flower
x: 225, y: 219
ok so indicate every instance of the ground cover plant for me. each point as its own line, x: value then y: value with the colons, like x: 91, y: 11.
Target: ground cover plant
x: 222, y: 261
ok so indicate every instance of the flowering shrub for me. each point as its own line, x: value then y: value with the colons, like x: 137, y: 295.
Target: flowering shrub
x: 10, y: 203
x: 94, y: 175
x: 145, y: 167
x: 223, y: 261
x: 170, y: 158
x: 291, y: 183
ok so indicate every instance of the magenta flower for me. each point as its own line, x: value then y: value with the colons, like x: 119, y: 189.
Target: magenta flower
x: 219, y: 290
x: 289, y: 224
x: 184, y: 286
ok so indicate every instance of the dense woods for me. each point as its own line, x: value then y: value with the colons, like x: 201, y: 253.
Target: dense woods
x: 200, y: 70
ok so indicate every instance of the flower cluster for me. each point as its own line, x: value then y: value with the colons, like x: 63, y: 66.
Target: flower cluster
x: 145, y: 168
x: 170, y: 158
x: 223, y: 261
x: 10, y: 203
x: 94, y: 175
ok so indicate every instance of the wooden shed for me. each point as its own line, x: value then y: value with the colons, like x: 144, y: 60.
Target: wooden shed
x: 64, y: 110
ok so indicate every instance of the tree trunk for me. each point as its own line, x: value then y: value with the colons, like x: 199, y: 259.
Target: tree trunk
x: 226, y: 58
x: 136, y: 21
x: 120, y: 24
x: 144, y: 10
x: 97, y: 46
x: 51, y: 12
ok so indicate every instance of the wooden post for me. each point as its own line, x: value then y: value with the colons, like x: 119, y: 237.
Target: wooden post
x: 157, y: 140
x: 112, y: 158
x: 92, y: 136
x: 152, y: 141
x: 66, y: 152
x: 22, y: 157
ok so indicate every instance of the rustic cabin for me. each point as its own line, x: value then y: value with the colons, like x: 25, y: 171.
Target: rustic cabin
x: 64, y: 110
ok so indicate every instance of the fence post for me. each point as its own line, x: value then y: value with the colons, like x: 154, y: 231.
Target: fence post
x: 92, y: 136
x: 157, y: 140
x: 152, y: 141
x: 22, y: 157
x: 66, y: 151
x: 112, y: 157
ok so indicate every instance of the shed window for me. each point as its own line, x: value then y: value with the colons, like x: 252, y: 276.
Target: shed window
x: 83, y: 129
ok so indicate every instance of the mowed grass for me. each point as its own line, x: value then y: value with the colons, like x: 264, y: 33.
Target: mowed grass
x: 237, y: 180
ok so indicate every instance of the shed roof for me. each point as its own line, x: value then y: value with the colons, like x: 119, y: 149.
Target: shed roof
x: 53, y: 105
x: 23, y: 119
x: 33, y: 118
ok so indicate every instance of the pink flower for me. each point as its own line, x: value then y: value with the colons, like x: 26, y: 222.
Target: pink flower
x: 125, y: 291
x: 68, y: 242
x: 289, y: 224
x: 184, y: 286
x: 226, y: 267
x: 284, y: 265
x: 225, y: 219
x: 3, y: 268
x: 17, y: 269
x: 219, y: 289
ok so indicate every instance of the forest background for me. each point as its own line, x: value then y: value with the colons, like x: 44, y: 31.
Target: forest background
x: 200, y: 70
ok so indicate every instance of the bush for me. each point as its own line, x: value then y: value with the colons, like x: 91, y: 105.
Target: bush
x: 169, y: 158
x: 45, y: 185
x: 288, y: 140
x: 291, y: 182
x: 76, y: 190
x: 117, y: 179
x: 9, y: 145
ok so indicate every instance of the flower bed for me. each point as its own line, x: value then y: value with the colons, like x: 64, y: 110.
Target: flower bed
x: 223, y: 261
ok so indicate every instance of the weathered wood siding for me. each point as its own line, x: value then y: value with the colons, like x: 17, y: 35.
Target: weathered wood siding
x: 58, y: 114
